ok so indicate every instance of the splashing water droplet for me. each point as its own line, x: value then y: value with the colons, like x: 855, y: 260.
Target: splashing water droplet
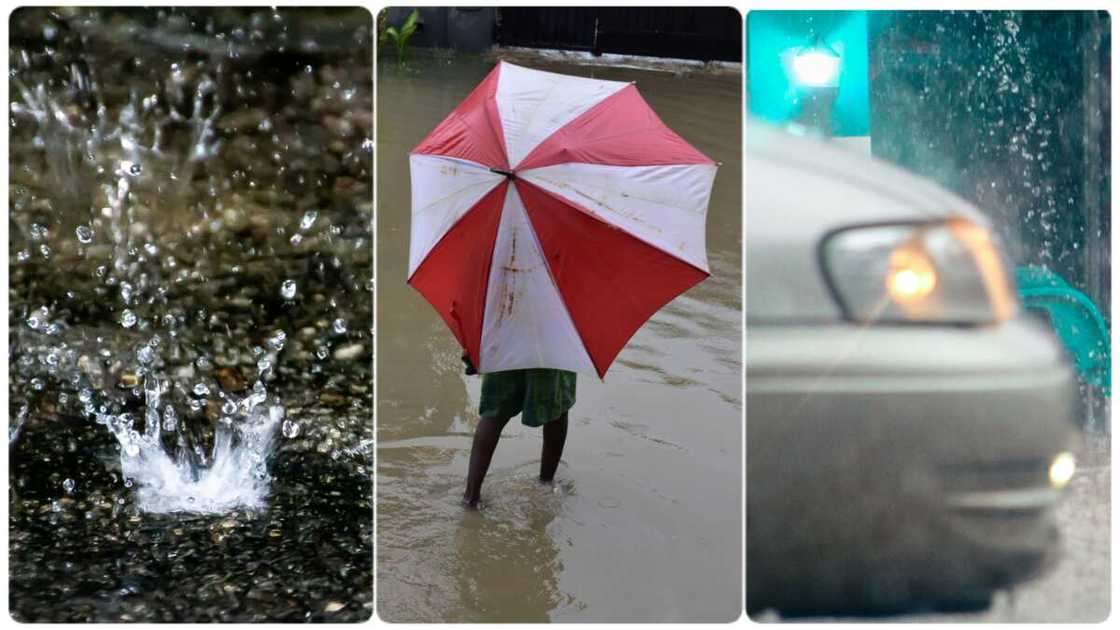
x: 339, y: 326
x: 290, y: 429
x: 170, y: 422
x: 308, y: 219
x: 276, y: 341
x: 38, y: 318
x: 145, y: 355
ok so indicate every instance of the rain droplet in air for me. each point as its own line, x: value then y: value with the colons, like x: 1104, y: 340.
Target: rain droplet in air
x: 68, y: 485
x: 339, y: 326
x: 308, y: 219
x: 288, y: 289
x: 85, y: 235
x: 276, y: 341
x: 128, y: 318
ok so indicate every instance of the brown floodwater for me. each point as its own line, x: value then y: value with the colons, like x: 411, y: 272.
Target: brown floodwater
x: 644, y: 523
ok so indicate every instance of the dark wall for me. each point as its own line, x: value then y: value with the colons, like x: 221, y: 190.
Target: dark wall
x: 702, y: 33
x: 1011, y: 110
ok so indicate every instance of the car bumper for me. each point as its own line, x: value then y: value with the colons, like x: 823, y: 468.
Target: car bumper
x: 894, y: 466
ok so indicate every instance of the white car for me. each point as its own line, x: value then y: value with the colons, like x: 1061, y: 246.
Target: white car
x: 907, y: 427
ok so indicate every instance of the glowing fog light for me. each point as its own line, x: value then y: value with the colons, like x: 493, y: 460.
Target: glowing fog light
x: 817, y: 67
x: 1062, y: 468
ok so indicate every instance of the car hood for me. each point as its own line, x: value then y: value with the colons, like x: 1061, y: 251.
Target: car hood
x: 905, y: 195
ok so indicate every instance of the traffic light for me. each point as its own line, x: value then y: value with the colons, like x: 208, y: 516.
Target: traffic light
x: 817, y: 66
x: 809, y: 67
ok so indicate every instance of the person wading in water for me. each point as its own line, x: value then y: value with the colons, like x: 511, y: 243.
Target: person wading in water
x: 542, y: 397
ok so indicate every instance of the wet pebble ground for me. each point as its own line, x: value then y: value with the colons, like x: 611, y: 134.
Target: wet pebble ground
x: 247, y: 215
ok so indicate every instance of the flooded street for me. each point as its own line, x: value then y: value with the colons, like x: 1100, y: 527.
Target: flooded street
x: 190, y: 433
x: 644, y: 523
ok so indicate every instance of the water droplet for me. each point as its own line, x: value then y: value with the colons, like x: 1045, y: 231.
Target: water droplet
x: 290, y: 428
x: 339, y: 326
x: 128, y: 318
x: 85, y: 235
x: 134, y: 169
x: 288, y: 289
x: 229, y: 407
x: 170, y: 422
x: 308, y: 219
x: 145, y: 355
x: 200, y: 389
x: 276, y: 341
x: 68, y: 485
x: 38, y: 318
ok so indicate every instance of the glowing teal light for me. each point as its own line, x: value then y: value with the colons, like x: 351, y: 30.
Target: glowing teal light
x: 817, y: 67
x: 784, y: 69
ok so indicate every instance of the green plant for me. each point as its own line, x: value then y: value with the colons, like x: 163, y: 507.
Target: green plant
x: 399, y: 37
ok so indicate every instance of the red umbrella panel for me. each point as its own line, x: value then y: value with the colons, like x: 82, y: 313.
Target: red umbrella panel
x: 552, y: 215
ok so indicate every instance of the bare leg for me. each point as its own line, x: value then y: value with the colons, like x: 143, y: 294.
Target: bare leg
x: 486, y: 436
x: 555, y: 433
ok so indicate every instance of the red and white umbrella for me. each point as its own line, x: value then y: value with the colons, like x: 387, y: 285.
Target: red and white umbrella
x: 552, y: 215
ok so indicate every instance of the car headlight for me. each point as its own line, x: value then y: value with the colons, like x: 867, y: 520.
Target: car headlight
x: 942, y: 272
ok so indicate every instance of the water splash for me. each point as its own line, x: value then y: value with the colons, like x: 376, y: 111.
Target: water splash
x: 237, y: 475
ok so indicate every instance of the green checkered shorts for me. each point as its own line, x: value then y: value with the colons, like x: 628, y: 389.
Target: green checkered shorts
x: 539, y: 395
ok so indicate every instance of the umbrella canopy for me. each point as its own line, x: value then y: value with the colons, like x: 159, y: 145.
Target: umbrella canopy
x: 552, y: 215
